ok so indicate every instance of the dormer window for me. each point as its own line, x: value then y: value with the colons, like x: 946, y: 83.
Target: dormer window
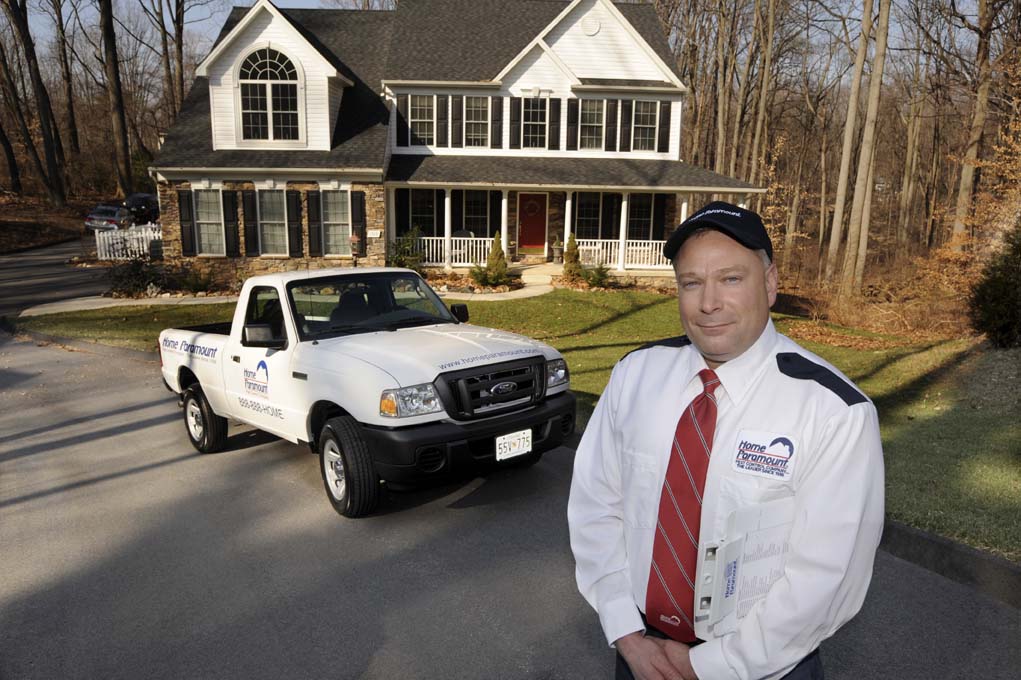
x: 269, y: 97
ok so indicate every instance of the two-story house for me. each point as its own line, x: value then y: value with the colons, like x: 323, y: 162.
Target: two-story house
x: 312, y: 137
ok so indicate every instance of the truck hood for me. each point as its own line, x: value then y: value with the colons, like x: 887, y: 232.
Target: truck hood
x: 417, y: 355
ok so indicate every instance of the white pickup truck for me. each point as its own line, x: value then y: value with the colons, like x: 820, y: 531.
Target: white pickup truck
x: 371, y: 370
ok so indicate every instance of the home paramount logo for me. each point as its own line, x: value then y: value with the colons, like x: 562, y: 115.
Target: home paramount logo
x: 765, y: 454
x: 257, y: 381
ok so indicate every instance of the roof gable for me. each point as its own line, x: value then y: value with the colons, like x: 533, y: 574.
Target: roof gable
x: 257, y: 17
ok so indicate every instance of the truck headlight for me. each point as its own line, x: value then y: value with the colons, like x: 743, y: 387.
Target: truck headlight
x: 556, y: 373
x: 416, y: 400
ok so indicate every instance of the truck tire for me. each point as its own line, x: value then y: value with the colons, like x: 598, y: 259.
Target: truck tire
x: 206, y: 430
x: 350, y: 479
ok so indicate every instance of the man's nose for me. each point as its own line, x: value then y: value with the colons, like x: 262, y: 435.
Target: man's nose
x: 710, y: 298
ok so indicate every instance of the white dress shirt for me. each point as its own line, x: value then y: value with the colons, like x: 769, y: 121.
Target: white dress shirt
x: 773, y: 390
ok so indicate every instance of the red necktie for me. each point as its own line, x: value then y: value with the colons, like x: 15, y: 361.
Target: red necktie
x: 670, y: 599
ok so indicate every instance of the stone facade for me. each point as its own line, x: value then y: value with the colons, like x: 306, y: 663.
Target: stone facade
x: 229, y: 272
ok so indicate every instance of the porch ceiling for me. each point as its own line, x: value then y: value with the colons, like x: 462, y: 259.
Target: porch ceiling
x: 561, y: 173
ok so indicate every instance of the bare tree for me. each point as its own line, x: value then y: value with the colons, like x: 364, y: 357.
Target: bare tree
x: 115, y: 96
x: 12, y: 161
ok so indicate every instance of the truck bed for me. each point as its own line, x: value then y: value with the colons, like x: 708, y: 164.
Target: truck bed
x: 221, y: 328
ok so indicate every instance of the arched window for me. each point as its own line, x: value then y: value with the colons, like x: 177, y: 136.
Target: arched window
x: 269, y: 96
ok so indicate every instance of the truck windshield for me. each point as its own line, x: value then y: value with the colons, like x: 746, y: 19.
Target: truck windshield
x: 361, y: 303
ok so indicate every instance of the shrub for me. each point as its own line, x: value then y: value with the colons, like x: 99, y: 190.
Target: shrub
x: 597, y: 277
x: 139, y: 276
x: 994, y: 305
x: 495, y: 271
x: 404, y: 251
x: 572, y: 261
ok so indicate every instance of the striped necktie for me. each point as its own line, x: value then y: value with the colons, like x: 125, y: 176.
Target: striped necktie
x: 670, y: 599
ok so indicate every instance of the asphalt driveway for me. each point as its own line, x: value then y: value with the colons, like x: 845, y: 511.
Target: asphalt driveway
x: 42, y: 275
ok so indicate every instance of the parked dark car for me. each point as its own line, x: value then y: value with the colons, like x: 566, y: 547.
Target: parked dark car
x: 144, y: 207
x: 106, y: 217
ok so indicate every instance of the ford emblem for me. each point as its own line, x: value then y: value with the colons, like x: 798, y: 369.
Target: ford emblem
x: 504, y: 388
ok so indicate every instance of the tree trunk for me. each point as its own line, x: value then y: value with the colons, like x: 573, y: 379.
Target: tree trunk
x: 12, y: 161
x: 66, y: 76
x: 722, y: 86
x: 854, y: 227
x: 764, y: 85
x: 115, y: 96
x: 10, y: 91
x: 863, y: 232
x: 822, y: 193
x: 178, y: 20
x: 17, y: 13
x: 742, y: 91
x: 837, y: 228
x: 792, y: 216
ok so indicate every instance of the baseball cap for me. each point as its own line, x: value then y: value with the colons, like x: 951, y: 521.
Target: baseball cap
x: 744, y: 226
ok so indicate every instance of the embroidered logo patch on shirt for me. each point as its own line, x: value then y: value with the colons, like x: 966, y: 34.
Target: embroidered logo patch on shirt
x: 765, y: 454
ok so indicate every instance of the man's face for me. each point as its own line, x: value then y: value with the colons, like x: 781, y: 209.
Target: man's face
x: 724, y: 292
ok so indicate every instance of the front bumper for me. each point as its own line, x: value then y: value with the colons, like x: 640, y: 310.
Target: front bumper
x: 437, y: 450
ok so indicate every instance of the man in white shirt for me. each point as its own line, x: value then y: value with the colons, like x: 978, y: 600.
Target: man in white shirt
x: 774, y: 422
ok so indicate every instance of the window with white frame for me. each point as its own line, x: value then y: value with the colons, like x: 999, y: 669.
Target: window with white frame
x: 269, y: 97
x: 643, y: 135
x: 588, y: 214
x: 272, y: 222
x: 423, y: 211
x: 209, y: 222
x: 639, y: 218
x: 591, y: 128
x: 476, y: 121
x: 533, y: 119
x: 476, y: 212
x: 336, y: 207
x: 422, y: 118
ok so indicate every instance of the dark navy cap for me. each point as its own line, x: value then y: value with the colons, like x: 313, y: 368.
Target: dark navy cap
x: 744, y: 226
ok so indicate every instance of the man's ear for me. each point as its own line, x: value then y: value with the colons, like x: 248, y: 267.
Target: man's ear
x: 772, y: 283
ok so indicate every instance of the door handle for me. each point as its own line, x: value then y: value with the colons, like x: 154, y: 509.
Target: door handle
x: 236, y: 359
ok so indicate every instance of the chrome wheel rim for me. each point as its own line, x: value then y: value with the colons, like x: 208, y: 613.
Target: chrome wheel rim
x: 333, y: 469
x: 193, y: 416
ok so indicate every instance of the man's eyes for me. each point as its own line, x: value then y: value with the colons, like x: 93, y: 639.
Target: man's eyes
x: 732, y: 279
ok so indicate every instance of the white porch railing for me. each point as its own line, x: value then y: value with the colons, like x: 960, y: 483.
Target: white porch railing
x: 123, y: 244
x: 645, y: 255
x: 593, y: 252
x: 464, y: 251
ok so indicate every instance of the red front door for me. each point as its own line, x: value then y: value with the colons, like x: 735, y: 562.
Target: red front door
x: 532, y: 220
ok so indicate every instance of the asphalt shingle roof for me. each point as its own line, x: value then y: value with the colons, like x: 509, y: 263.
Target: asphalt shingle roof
x: 665, y: 175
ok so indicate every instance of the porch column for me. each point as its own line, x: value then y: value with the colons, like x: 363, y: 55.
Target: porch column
x: 503, y: 222
x: 622, y: 247
x: 391, y: 218
x: 448, y: 255
x: 682, y: 202
x: 567, y: 218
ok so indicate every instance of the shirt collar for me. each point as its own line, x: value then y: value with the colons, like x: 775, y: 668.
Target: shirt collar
x: 737, y: 375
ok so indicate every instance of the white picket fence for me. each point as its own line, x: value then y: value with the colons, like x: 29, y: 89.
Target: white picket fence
x: 638, y: 254
x: 464, y: 251
x: 124, y: 244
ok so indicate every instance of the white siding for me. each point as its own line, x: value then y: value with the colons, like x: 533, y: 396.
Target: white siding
x: 336, y: 96
x: 267, y: 30
x: 537, y: 69
x: 611, y: 53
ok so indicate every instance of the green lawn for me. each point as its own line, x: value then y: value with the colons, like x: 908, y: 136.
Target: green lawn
x: 952, y: 443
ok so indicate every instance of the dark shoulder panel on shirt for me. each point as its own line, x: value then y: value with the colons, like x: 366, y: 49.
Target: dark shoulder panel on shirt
x: 796, y: 366
x: 677, y: 343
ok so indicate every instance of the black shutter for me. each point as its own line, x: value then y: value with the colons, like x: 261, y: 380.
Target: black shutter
x: 438, y: 213
x: 457, y: 115
x: 230, y: 223
x: 251, y: 223
x: 515, y: 123
x: 611, y: 217
x: 495, y: 204
x: 496, y: 113
x: 572, y: 125
x: 611, y: 125
x: 402, y: 210
x: 625, y: 124
x: 294, y: 248
x: 553, y: 138
x: 358, y: 223
x: 659, y: 217
x: 402, y: 120
x: 315, y: 224
x: 187, y: 215
x: 457, y: 210
x: 441, y: 119
x: 664, y: 127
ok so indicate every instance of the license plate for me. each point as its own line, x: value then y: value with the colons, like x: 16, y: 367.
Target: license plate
x: 513, y: 444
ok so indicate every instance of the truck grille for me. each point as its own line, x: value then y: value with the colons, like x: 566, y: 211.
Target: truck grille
x: 494, y: 389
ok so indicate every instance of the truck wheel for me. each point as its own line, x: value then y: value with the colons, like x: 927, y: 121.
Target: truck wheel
x: 352, y: 485
x: 206, y: 430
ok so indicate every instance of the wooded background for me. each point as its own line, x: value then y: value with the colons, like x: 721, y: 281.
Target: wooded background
x: 885, y: 131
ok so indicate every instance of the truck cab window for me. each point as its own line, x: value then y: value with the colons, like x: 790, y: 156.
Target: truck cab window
x: 264, y: 307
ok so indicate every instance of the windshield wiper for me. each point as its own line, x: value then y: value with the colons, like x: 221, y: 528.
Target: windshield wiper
x: 342, y: 327
x: 421, y: 321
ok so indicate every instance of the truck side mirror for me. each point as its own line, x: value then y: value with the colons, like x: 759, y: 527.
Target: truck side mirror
x: 261, y: 335
x: 460, y: 312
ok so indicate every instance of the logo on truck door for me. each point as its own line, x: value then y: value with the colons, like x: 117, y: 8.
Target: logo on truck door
x: 257, y: 381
